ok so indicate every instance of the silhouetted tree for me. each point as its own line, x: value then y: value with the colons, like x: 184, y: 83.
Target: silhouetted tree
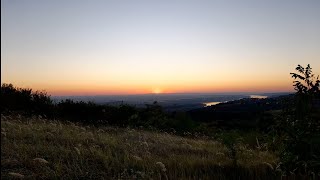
x: 300, y: 124
x: 305, y: 82
x: 25, y: 101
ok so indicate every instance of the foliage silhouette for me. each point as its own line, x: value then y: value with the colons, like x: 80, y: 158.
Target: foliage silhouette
x: 28, y: 102
x: 299, y: 124
x: 25, y: 101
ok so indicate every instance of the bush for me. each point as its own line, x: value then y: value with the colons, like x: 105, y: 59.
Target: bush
x: 25, y: 101
x: 28, y: 102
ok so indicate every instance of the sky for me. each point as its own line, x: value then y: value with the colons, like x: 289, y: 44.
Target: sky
x: 93, y: 47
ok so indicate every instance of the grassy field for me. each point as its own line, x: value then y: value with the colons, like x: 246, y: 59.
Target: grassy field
x: 38, y: 148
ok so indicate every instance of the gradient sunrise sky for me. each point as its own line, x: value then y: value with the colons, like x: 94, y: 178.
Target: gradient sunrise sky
x: 91, y: 47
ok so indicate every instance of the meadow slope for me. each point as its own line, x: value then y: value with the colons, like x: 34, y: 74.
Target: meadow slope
x: 40, y: 148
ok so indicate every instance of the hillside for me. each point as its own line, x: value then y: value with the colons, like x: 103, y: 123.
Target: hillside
x: 40, y: 148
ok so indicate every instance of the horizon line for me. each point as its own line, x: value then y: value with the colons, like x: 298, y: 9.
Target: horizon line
x: 183, y: 93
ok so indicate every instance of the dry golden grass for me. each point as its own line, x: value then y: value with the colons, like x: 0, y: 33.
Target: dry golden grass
x: 38, y: 148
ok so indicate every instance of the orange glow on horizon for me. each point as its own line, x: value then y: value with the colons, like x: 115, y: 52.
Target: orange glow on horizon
x: 157, y: 91
x: 228, y: 85
x: 83, y: 90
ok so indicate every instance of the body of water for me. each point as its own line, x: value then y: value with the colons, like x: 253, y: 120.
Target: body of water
x: 206, y: 104
x: 258, y: 96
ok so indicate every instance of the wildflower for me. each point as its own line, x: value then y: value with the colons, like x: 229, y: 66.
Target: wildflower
x: 16, y: 175
x: 162, y: 166
x: 41, y: 160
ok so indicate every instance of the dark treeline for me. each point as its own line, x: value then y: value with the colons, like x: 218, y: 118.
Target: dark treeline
x: 246, y: 114
x: 28, y: 102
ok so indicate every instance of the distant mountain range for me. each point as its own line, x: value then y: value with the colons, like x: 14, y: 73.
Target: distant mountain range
x: 170, y: 102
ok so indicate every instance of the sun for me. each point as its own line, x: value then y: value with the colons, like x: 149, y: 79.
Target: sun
x: 156, y: 91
